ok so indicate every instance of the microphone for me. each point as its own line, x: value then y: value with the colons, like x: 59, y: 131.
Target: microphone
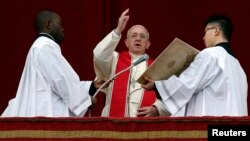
x: 145, y: 57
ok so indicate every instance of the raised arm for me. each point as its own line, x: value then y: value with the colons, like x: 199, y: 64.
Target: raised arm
x: 104, y: 52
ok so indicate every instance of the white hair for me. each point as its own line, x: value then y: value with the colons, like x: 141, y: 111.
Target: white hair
x: 128, y: 33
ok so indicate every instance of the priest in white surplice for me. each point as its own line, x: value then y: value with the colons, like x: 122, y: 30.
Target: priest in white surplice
x: 49, y: 86
x: 214, y: 84
x: 125, y: 97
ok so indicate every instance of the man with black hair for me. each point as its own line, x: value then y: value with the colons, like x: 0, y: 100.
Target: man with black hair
x: 49, y: 86
x: 214, y: 84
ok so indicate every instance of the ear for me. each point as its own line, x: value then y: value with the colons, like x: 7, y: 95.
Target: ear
x: 148, y: 44
x: 126, y: 42
x: 48, y: 25
x: 217, y: 31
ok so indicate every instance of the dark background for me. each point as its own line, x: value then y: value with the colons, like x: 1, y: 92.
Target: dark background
x: 86, y: 22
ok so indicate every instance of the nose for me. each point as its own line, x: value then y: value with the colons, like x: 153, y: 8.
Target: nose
x: 138, y: 37
x: 204, y: 38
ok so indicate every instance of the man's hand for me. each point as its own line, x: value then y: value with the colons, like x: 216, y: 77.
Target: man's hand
x: 93, y: 101
x: 150, y: 111
x: 122, y: 22
x: 149, y: 84
x: 100, y: 81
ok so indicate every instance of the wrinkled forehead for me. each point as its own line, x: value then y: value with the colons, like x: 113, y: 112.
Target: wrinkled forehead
x: 138, y: 29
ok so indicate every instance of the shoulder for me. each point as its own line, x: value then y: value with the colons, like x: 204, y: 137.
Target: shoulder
x: 212, y: 51
x: 44, y: 48
x: 214, y: 55
x: 45, y: 44
x: 124, y: 53
x: 207, y: 56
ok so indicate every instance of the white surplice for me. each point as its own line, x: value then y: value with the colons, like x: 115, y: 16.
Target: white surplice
x: 49, y: 86
x: 105, y: 59
x: 213, y: 85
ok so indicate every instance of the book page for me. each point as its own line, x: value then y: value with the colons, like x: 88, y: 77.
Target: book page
x: 172, y: 61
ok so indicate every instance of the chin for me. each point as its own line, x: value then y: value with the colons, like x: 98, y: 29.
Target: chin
x: 138, y: 53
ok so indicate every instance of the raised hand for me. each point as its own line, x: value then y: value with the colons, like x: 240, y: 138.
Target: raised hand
x: 122, y: 22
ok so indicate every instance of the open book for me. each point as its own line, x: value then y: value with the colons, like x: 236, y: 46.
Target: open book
x: 172, y: 61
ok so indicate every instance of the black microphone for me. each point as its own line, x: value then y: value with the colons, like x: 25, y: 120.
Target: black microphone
x: 145, y: 57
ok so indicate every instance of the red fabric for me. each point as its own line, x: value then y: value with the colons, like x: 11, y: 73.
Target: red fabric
x: 150, y: 95
x: 96, y: 110
x: 119, y: 95
x: 112, y: 129
x: 121, y: 87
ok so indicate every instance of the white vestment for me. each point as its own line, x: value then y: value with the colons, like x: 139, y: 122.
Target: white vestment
x: 49, y: 86
x: 105, y: 59
x: 213, y: 85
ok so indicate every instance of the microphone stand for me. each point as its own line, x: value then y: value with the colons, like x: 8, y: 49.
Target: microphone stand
x: 109, y: 80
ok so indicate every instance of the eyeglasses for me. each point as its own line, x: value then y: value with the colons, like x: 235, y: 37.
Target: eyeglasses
x: 141, y: 36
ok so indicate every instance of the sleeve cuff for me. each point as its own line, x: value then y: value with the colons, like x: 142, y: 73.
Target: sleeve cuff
x: 157, y: 93
x: 161, y: 109
x: 92, y: 89
x: 115, y: 35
